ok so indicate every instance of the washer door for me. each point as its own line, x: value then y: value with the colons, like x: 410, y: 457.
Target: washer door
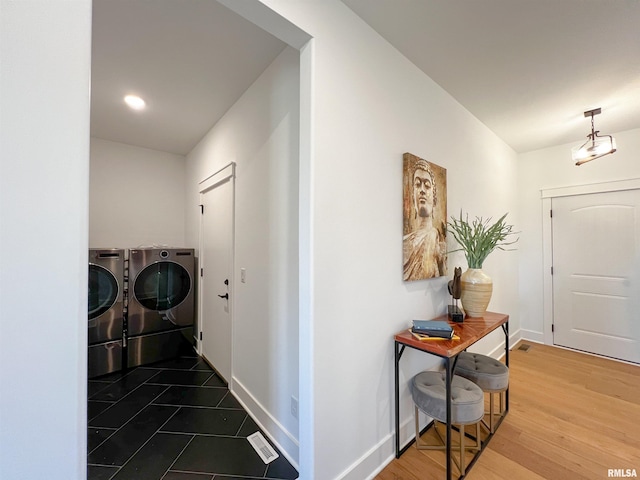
x: 162, y: 286
x: 103, y: 290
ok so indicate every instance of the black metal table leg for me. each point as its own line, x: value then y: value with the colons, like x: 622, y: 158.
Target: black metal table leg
x: 398, y: 349
x: 505, y: 329
x: 448, y: 379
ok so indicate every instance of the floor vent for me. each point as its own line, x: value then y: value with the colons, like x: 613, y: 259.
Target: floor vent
x: 262, y: 447
x: 524, y: 347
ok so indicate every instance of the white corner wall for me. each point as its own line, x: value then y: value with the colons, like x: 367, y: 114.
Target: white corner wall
x: 136, y: 197
x: 45, y: 72
x: 553, y: 168
x: 261, y: 134
x: 369, y: 105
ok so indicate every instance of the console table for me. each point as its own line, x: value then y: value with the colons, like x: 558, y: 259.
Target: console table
x: 470, y: 331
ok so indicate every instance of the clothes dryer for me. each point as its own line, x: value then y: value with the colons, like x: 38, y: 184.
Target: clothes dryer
x: 106, y: 310
x: 161, y: 304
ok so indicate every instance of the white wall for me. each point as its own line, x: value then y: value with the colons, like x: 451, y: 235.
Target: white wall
x: 136, y: 197
x: 551, y: 168
x: 44, y: 178
x: 260, y: 133
x: 369, y: 105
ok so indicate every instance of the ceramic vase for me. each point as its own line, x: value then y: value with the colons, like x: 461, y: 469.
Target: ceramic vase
x: 477, y: 287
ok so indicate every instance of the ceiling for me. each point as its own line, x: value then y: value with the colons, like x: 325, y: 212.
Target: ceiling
x: 190, y: 60
x: 527, y: 69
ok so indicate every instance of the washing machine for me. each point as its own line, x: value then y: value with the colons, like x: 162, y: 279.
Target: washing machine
x: 106, y: 310
x: 161, y: 304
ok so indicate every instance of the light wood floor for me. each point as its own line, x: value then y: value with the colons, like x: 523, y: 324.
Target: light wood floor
x: 571, y: 416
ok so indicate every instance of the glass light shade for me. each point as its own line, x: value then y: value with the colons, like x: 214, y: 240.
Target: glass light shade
x: 593, y: 148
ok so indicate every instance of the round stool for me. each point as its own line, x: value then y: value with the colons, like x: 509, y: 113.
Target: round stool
x: 428, y: 390
x: 487, y: 373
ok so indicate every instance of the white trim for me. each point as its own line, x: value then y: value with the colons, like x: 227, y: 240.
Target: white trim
x: 531, y: 336
x: 597, y: 355
x: 615, y: 186
x: 374, y: 460
x: 270, y: 21
x: 286, y: 442
x: 306, y: 268
x: 547, y: 278
x: 498, y: 352
x: 220, y: 175
x: 370, y: 463
x: 226, y: 173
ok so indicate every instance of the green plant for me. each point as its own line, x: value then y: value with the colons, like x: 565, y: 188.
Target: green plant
x: 479, y: 238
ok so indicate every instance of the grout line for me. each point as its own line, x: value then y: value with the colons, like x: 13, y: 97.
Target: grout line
x: 116, y: 403
x: 106, y: 385
x: 216, y: 435
x: 203, y: 407
x: 246, y: 415
x: 127, y: 422
x: 150, y: 436
x: 111, y: 404
x: 178, y: 456
x: 97, y: 446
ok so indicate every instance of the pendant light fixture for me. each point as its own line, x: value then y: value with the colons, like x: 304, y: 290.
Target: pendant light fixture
x: 596, y: 145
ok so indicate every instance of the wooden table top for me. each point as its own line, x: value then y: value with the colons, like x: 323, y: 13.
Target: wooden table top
x: 469, y: 331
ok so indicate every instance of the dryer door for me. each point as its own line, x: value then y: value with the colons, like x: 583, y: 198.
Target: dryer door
x: 104, y: 321
x: 162, y: 286
x: 103, y: 290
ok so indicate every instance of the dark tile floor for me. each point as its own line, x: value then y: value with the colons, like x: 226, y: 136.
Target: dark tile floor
x: 174, y: 420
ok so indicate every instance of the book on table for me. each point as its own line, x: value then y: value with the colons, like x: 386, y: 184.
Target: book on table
x: 432, y: 328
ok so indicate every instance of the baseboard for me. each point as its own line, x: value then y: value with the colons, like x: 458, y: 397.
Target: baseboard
x: 532, y: 336
x: 498, y: 352
x: 372, y: 462
x: 277, y: 433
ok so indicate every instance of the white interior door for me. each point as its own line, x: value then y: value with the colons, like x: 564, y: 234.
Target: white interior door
x: 216, y: 262
x: 596, y: 279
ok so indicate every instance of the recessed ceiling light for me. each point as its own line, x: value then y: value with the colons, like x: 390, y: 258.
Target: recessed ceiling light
x: 134, y: 102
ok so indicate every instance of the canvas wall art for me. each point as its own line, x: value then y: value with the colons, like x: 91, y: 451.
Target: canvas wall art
x: 425, y: 219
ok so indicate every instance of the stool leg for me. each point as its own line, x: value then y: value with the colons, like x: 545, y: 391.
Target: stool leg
x: 462, y: 450
x: 417, y: 423
x: 491, y: 428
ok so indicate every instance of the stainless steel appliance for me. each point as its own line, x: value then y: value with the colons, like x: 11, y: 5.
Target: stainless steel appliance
x: 106, y: 310
x: 160, y: 304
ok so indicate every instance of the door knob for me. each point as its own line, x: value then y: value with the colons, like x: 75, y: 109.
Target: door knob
x: 226, y: 296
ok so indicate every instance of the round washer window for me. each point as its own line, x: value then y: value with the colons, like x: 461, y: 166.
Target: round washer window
x: 103, y: 290
x: 162, y: 286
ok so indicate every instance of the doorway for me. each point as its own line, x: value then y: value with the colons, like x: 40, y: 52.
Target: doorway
x: 596, y: 263
x: 216, y: 262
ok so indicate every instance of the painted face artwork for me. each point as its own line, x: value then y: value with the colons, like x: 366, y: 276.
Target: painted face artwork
x: 424, y: 245
x: 423, y: 192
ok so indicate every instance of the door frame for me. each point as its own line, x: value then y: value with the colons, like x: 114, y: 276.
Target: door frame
x: 226, y: 173
x: 547, y: 196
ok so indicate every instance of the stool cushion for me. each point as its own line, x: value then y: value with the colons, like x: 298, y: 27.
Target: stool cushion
x: 486, y: 372
x: 428, y: 390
